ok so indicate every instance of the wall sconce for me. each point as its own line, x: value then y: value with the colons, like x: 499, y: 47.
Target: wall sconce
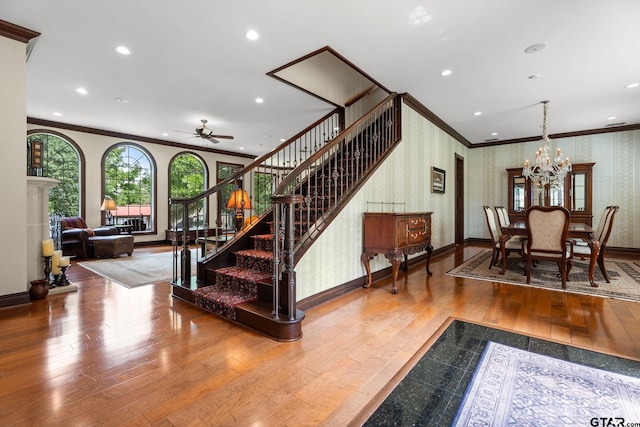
x: 108, y: 205
x: 239, y: 201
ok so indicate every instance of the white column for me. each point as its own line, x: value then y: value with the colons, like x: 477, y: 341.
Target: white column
x: 38, y: 227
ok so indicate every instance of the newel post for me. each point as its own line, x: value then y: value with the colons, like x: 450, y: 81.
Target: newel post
x: 185, y: 265
x: 285, y: 286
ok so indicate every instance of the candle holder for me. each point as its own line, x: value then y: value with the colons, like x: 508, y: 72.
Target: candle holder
x: 62, y: 279
x: 47, y: 267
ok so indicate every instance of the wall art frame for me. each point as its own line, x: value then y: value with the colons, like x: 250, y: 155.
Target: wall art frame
x: 438, y: 180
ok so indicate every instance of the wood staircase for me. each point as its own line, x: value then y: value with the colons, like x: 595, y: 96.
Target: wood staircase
x: 237, y: 283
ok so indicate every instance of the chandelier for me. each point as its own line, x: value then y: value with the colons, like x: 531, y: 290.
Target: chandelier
x: 546, y: 170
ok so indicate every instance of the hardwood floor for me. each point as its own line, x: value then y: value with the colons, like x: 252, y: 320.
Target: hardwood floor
x: 107, y: 355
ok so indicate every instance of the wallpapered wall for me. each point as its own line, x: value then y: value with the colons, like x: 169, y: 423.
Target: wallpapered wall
x: 403, y: 183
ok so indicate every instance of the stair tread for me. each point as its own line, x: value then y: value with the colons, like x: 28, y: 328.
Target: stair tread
x: 253, y: 275
x: 263, y: 236
x: 256, y: 253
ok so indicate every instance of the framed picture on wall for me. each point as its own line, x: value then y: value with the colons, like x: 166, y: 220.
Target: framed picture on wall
x: 437, y: 180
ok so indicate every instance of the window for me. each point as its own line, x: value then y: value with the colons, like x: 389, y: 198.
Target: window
x: 226, y: 216
x: 54, y: 156
x: 129, y: 179
x: 262, y: 191
x: 187, y: 178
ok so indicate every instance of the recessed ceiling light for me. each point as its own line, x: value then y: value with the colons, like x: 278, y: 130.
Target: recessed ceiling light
x: 242, y: 148
x: 632, y: 85
x: 81, y: 91
x: 419, y: 15
x: 477, y: 113
x: 259, y: 100
x: 611, y: 118
x: 445, y: 73
x: 282, y: 139
x: 494, y: 133
x: 165, y: 134
x: 123, y: 50
x: 57, y: 114
x: 534, y: 48
x: 252, y: 35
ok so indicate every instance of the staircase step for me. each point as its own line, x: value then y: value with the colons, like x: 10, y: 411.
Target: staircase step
x: 221, y: 301
x: 255, y: 259
x: 240, y: 279
x: 263, y: 242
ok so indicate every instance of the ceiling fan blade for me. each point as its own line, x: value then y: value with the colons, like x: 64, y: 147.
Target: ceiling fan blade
x: 223, y: 136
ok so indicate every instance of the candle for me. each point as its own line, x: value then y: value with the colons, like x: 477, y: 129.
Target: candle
x: 55, y: 263
x: 526, y: 163
x: 47, y: 247
x: 64, y: 261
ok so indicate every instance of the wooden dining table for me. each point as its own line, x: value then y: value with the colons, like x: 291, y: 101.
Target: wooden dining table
x: 577, y: 231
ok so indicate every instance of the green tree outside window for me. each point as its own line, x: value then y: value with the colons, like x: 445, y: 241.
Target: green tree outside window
x: 60, y: 161
x: 187, y: 177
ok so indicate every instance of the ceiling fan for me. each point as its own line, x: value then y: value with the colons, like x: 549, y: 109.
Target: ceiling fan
x: 204, y: 132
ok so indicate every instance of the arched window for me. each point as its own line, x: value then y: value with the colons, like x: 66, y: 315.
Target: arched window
x: 54, y: 156
x: 129, y: 179
x: 187, y: 178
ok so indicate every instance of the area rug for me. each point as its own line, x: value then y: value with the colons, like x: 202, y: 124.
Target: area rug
x: 138, y: 269
x: 519, y: 388
x: 624, y: 275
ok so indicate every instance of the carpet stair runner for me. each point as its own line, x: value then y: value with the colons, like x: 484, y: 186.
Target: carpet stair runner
x: 239, y: 284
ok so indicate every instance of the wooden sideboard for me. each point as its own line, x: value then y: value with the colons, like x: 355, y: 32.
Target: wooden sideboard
x: 396, y: 236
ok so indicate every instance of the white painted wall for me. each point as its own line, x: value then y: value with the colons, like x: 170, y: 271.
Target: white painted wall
x: 13, y: 167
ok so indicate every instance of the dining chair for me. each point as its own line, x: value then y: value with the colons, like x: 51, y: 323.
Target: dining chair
x: 503, y: 216
x: 581, y: 248
x: 547, y: 229
x: 514, y: 244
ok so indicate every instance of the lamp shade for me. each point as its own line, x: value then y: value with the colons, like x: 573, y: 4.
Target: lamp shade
x: 239, y: 200
x: 108, y: 205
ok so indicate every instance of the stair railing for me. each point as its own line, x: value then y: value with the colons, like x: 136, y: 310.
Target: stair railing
x: 258, y: 178
x: 314, y: 192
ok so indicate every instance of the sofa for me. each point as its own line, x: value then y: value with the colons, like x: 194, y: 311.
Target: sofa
x: 77, y: 237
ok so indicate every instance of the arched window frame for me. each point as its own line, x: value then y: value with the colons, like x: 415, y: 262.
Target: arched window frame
x: 81, y: 164
x: 151, y: 222
x: 205, y: 170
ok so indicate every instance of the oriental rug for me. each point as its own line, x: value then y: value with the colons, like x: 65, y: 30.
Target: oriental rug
x: 624, y: 275
x: 520, y: 388
x: 137, y: 270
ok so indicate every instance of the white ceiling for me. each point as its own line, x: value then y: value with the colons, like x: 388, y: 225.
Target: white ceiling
x: 191, y: 60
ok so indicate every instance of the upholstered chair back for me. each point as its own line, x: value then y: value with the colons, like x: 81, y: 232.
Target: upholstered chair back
x: 547, y: 229
x: 606, y: 224
x: 494, y: 230
x: 503, y: 216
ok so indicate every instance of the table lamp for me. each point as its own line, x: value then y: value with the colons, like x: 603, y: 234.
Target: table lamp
x: 108, y: 205
x: 239, y: 200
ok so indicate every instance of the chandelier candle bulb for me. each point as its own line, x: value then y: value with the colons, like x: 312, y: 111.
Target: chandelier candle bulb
x: 47, y: 247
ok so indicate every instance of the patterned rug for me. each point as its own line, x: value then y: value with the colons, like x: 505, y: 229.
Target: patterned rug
x: 137, y: 270
x: 624, y: 275
x: 519, y: 388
